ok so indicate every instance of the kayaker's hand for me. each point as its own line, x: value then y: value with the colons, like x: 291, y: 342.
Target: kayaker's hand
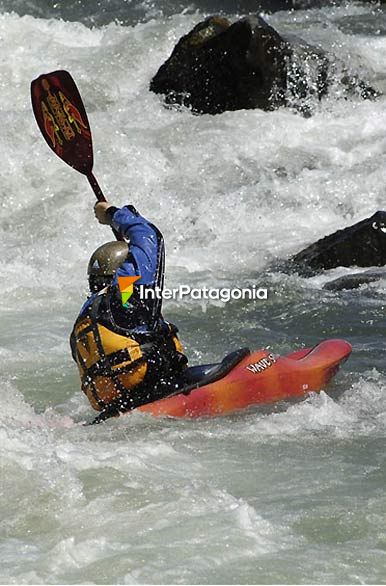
x: 100, y: 209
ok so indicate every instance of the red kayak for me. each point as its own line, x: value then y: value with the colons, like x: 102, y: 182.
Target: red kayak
x: 243, y: 379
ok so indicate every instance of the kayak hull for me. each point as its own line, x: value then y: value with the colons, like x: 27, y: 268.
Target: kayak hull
x: 259, y: 378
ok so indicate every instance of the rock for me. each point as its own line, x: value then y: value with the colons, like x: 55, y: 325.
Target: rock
x: 362, y: 245
x: 220, y: 66
x: 354, y: 280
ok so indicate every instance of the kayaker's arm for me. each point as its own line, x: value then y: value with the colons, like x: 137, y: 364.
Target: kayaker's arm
x: 145, y: 242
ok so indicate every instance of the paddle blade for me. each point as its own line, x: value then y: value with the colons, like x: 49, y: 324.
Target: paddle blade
x: 62, y: 119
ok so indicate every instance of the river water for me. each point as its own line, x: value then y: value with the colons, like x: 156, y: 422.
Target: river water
x: 292, y: 494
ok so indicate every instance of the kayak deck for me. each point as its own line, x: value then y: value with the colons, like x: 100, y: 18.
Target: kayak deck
x: 258, y: 378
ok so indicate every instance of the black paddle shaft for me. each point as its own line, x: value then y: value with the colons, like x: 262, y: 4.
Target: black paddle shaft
x: 95, y: 187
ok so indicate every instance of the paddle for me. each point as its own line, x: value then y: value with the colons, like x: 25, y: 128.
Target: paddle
x: 62, y: 119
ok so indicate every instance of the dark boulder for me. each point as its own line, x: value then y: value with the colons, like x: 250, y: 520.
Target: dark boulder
x: 354, y: 280
x: 362, y: 245
x: 220, y: 66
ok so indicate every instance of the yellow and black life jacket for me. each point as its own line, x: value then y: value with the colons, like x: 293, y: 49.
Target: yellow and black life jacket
x: 112, y: 360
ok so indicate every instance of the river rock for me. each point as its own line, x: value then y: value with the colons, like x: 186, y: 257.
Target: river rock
x: 362, y: 245
x: 220, y: 66
x: 354, y: 280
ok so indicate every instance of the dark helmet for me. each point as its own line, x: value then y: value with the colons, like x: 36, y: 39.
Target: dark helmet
x: 104, y: 262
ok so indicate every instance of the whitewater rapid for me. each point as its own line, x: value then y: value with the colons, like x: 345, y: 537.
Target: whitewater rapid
x: 293, y: 494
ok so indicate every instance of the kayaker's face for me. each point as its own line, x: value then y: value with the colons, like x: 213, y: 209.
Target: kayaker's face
x: 98, y: 282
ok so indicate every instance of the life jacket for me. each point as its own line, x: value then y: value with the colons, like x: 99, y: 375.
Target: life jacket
x: 113, y: 360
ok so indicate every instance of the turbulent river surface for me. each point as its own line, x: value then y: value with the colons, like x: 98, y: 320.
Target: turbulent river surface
x: 294, y: 494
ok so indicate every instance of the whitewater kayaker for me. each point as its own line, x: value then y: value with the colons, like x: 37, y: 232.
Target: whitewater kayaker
x: 127, y: 354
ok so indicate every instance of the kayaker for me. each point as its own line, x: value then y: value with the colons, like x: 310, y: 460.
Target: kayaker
x: 127, y: 355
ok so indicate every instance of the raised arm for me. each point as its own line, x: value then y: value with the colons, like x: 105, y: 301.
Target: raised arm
x: 146, y: 246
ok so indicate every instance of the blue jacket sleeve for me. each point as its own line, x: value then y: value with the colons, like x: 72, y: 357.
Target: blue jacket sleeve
x: 146, y: 247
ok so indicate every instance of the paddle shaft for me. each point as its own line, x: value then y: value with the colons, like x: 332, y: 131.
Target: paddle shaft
x: 96, y: 187
x: 100, y: 197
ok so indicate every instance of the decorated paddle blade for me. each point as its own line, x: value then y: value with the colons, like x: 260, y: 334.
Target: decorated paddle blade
x: 62, y: 119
